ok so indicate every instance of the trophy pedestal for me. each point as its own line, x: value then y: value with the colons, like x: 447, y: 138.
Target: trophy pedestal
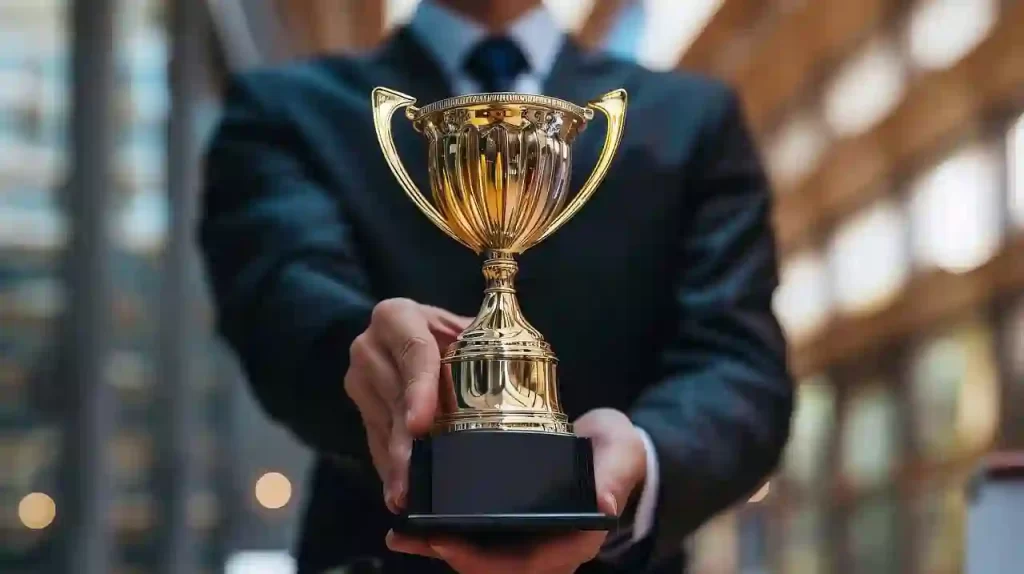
x: 502, y: 485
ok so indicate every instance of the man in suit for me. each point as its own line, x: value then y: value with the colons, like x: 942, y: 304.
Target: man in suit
x: 338, y: 295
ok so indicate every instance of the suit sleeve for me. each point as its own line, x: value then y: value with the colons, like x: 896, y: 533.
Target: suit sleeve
x: 720, y: 417
x: 286, y: 278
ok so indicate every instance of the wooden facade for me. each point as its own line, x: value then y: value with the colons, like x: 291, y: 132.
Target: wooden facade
x: 960, y: 330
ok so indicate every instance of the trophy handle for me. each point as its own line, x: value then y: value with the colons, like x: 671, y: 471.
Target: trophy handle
x: 385, y: 103
x: 613, y: 106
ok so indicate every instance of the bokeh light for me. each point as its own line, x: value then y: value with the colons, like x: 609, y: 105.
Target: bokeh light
x: 37, y: 510
x: 273, y: 490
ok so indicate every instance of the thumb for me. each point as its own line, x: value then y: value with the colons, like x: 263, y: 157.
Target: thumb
x: 423, y: 392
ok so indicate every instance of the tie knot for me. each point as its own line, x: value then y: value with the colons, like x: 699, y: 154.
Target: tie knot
x: 495, y: 63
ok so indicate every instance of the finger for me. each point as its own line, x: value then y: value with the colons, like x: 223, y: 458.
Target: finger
x: 467, y: 559
x: 377, y: 422
x: 367, y: 365
x: 446, y: 325
x: 616, y: 446
x: 378, y: 445
x: 376, y: 414
x: 403, y: 328
x: 613, y: 479
x: 392, y: 491
x: 409, y: 545
x: 371, y: 382
x: 560, y: 555
x: 564, y: 553
x: 399, y: 450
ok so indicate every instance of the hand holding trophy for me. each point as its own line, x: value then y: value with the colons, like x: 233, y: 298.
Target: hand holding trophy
x: 502, y: 457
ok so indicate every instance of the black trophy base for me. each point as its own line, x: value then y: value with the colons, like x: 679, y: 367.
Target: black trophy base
x: 501, y: 485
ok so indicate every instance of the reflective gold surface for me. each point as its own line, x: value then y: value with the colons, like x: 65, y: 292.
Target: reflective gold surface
x: 499, y: 172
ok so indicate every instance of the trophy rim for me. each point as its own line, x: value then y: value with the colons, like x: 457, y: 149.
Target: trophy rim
x: 504, y: 98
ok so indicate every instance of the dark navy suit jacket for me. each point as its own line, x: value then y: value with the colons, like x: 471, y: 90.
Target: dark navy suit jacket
x: 656, y: 296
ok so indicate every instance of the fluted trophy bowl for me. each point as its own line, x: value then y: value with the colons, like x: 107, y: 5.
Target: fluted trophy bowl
x: 499, y: 165
x: 499, y: 168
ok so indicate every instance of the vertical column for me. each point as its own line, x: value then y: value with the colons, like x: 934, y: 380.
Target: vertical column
x: 85, y: 527
x: 179, y: 326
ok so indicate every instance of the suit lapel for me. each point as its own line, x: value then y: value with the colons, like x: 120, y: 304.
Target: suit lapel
x: 577, y: 77
x: 409, y: 68
x: 405, y: 66
x: 580, y: 77
x: 568, y: 74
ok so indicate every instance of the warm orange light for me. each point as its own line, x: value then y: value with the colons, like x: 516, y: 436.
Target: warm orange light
x: 761, y: 494
x: 273, y: 490
x: 37, y: 510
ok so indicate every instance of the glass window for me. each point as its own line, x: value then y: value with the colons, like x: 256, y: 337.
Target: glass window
x: 1013, y: 344
x: 33, y: 114
x: 954, y: 392
x: 716, y: 545
x: 130, y: 372
x: 1012, y: 354
x: 1015, y: 167
x: 868, y: 257
x: 805, y: 542
x: 31, y: 229
x: 874, y: 540
x: 398, y: 12
x: 132, y: 513
x: 955, y: 211
x: 806, y: 456
x: 132, y: 454
x: 865, y: 89
x: 203, y: 510
x: 12, y: 386
x: 939, y: 514
x: 754, y: 540
x: 669, y: 28
x: 941, y: 32
x: 795, y: 150
x: 143, y: 222
x: 803, y: 300
x: 570, y: 13
x: 870, y: 441
x: 260, y: 562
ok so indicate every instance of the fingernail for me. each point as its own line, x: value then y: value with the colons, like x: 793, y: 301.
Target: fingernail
x: 614, y: 504
x: 399, y: 496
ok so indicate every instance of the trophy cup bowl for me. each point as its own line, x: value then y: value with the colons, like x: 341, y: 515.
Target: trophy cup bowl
x: 502, y: 457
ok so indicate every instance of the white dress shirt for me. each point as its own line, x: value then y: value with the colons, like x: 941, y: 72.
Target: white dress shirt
x: 449, y: 37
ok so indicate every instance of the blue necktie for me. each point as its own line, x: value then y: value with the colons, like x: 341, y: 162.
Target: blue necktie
x: 495, y: 63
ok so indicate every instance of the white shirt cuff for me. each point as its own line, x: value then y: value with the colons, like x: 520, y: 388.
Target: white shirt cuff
x: 643, y: 519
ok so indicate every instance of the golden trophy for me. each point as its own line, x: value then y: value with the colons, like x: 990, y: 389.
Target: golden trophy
x: 502, y: 457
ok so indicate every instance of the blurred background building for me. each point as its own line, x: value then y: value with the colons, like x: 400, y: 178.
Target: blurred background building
x: 894, y: 134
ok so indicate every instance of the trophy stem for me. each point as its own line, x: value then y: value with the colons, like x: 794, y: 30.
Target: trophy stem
x: 500, y: 319
x: 501, y: 370
x: 501, y: 306
x: 500, y: 270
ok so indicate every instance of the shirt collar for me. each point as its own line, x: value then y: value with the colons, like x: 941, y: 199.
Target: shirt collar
x: 449, y: 37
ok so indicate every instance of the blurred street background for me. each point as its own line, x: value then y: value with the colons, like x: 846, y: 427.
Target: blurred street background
x: 894, y: 134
